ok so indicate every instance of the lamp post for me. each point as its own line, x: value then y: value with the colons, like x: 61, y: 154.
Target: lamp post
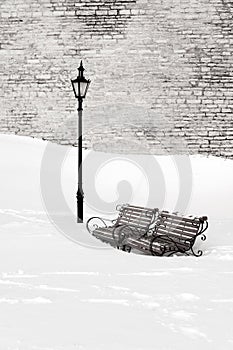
x: 80, y: 86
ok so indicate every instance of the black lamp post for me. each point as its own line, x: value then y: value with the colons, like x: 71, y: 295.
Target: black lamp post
x: 80, y: 86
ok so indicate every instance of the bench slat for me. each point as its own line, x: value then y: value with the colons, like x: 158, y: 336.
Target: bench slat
x: 137, y: 216
x: 144, y: 245
x: 142, y: 211
x: 137, y: 209
x: 134, y: 223
x: 175, y: 233
x: 177, y: 241
x: 179, y: 229
x: 181, y: 224
x: 134, y: 243
x: 179, y: 217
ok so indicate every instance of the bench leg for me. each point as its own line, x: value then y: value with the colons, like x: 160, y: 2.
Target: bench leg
x: 126, y: 248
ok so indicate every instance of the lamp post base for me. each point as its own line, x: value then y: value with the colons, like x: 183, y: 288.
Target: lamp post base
x: 79, y: 197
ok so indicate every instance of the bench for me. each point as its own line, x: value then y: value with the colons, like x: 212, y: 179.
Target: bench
x: 132, y: 221
x: 177, y: 234
x: 151, y: 231
x: 172, y: 234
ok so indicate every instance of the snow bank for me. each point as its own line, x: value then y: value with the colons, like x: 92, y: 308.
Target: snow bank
x: 58, y: 295
x: 110, y: 179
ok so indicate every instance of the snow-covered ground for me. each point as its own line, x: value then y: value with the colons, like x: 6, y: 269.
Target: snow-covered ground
x: 60, y: 292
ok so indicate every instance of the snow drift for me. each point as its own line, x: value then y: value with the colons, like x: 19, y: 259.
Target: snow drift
x: 55, y: 294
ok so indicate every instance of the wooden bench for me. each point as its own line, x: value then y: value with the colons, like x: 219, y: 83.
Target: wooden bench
x: 151, y: 231
x: 175, y: 233
x: 172, y: 234
x: 132, y: 221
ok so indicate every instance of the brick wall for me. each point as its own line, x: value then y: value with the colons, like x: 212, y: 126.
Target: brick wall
x: 161, y: 73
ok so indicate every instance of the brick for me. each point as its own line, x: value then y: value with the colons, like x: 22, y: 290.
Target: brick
x: 112, y: 12
x: 101, y: 12
x: 183, y: 70
x: 124, y: 12
x: 5, y: 14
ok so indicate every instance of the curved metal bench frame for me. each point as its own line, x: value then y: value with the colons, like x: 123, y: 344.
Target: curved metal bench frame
x: 174, y: 246
x: 164, y: 244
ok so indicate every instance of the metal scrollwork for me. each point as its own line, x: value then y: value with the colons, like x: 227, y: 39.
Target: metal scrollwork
x: 96, y: 222
x: 203, y: 237
x: 166, y: 245
x: 121, y: 234
x: 119, y: 207
x: 126, y: 231
x: 198, y: 253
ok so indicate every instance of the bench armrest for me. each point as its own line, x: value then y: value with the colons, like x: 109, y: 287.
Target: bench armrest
x: 95, y: 222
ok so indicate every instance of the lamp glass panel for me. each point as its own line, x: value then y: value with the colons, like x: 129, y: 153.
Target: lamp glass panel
x: 75, y: 85
x: 83, y: 88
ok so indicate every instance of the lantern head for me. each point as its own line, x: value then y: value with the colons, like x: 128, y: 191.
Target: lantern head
x: 80, y: 84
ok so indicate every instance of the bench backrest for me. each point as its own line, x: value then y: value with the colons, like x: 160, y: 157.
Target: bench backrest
x: 179, y: 228
x: 138, y: 217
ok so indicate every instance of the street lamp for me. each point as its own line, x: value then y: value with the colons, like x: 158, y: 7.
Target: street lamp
x: 80, y: 86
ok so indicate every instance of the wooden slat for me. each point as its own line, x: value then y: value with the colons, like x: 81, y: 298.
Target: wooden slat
x: 106, y: 234
x: 144, y: 245
x: 138, y: 244
x: 132, y: 215
x: 168, y: 248
x: 179, y: 217
x: 104, y: 230
x: 142, y: 211
x: 178, y: 229
x: 139, y: 219
x: 184, y: 245
x: 136, y: 216
x: 134, y: 223
x: 141, y: 240
x: 178, y: 242
x: 135, y: 220
x: 105, y: 239
x: 181, y: 224
x: 109, y: 232
x: 175, y: 233
x: 102, y: 234
x: 134, y: 207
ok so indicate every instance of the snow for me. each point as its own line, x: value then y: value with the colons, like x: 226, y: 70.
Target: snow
x: 61, y: 292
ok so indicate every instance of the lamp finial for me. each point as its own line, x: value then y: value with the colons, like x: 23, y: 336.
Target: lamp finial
x: 81, y: 69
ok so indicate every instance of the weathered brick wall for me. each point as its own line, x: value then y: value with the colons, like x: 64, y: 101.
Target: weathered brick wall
x: 161, y: 73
